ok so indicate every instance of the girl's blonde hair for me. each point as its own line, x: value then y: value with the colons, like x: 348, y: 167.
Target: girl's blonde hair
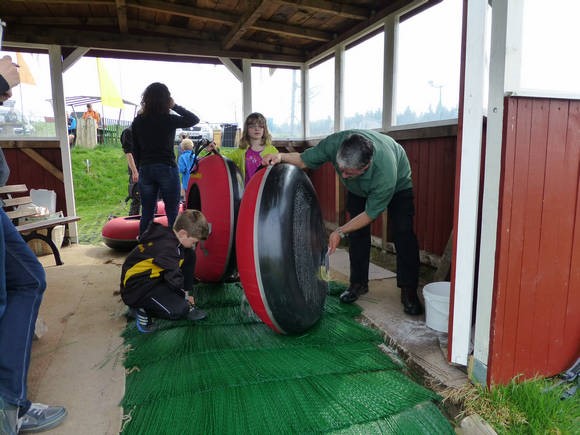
x: 255, y: 118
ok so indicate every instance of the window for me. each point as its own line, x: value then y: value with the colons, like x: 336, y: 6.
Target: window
x: 363, y: 83
x: 428, y: 64
x: 28, y: 113
x: 276, y: 94
x: 550, y: 35
x: 321, y: 98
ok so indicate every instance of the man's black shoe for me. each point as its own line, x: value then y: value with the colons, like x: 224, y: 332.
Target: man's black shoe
x: 411, y: 303
x: 353, y: 292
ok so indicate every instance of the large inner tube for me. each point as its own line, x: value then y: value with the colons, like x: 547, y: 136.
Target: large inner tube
x: 216, y: 189
x: 121, y: 233
x: 280, y: 246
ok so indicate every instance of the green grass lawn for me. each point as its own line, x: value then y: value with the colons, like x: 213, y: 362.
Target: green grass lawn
x: 100, y: 184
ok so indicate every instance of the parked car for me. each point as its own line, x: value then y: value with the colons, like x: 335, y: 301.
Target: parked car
x: 196, y: 133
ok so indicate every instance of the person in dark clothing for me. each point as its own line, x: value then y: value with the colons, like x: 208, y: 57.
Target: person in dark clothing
x: 153, y: 136
x: 377, y: 175
x: 133, y: 189
x: 157, y: 275
x: 22, y: 285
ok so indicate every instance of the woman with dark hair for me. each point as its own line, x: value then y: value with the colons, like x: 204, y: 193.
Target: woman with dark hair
x: 153, y: 135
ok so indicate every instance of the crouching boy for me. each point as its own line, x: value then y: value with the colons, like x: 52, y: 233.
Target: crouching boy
x: 158, y: 272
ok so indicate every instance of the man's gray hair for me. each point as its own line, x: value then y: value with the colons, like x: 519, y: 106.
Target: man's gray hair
x: 355, y: 152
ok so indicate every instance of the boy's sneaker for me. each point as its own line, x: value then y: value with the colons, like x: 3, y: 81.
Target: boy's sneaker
x: 8, y: 418
x: 144, y: 322
x: 41, y: 417
x: 196, y: 314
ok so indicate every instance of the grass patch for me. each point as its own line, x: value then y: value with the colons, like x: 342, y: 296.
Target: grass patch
x: 100, y: 184
x: 529, y: 407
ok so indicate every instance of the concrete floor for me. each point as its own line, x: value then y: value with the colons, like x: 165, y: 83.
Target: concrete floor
x: 77, y: 361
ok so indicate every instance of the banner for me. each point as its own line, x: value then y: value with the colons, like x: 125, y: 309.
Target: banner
x: 109, y: 94
x: 24, y: 71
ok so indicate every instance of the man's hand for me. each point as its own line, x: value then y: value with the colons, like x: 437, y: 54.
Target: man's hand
x: 9, y: 71
x: 333, y: 242
x: 271, y: 159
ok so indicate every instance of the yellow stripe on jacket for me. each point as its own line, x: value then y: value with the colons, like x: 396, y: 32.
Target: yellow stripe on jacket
x: 142, y: 267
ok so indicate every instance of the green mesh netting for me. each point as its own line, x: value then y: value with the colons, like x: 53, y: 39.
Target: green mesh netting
x: 231, y: 374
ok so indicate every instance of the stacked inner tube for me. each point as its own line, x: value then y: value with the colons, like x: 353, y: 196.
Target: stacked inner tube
x: 280, y: 246
x: 215, y: 188
x: 121, y: 233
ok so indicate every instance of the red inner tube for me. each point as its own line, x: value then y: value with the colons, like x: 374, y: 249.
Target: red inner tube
x: 215, y: 188
x: 280, y: 245
x: 122, y: 232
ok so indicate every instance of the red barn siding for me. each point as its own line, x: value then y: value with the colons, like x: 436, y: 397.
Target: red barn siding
x: 536, y: 308
x: 24, y: 170
x: 324, y: 180
x: 433, y: 166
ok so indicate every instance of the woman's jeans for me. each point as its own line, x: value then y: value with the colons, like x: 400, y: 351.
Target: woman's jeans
x: 158, y: 179
x: 22, y: 284
x: 400, y: 214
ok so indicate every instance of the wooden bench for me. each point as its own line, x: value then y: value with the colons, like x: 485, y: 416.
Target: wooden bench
x: 17, y: 195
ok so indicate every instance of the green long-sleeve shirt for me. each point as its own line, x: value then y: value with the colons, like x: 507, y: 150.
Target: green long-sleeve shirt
x: 389, y: 172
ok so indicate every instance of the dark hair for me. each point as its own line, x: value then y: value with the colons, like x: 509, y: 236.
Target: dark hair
x: 156, y: 99
x: 355, y: 152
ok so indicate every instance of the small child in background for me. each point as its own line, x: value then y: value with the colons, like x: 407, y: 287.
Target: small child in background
x: 158, y: 273
x: 256, y: 142
x: 185, y: 163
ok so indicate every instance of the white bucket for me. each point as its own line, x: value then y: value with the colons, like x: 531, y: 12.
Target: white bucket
x: 436, y: 296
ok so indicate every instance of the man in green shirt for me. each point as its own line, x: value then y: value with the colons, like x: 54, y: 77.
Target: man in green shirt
x: 376, y: 173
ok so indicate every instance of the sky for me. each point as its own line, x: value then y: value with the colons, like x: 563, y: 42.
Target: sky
x: 426, y: 72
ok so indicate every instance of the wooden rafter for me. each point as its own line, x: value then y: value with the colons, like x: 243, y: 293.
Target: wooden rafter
x: 330, y: 7
x: 244, y: 23
x: 122, y: 16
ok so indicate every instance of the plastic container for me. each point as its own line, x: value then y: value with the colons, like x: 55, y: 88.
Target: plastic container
x: 44, y: 198
x: 436, y: 296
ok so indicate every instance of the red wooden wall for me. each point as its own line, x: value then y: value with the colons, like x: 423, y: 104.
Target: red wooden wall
x: 25, y: 170
x: 433, y: 166
x: 536, y: 306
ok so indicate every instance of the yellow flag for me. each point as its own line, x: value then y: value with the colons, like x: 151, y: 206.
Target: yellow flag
x: 25, y: 73
x: 109, y: 93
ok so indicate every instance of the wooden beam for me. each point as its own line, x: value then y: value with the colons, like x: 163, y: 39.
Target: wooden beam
x: 383, y: 13
x: 122, y: 16
x: 72, y: 58
x: 289, y: 30
x: 184, y: 11
x: 29, y: 144
x: 330, y: 7
x: 67, y: 2
x: 251, y: 15
x: 140, y: 43
x: 44, y: 163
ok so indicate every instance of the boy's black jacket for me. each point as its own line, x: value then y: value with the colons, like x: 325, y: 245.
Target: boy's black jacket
x: 156, y: 258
